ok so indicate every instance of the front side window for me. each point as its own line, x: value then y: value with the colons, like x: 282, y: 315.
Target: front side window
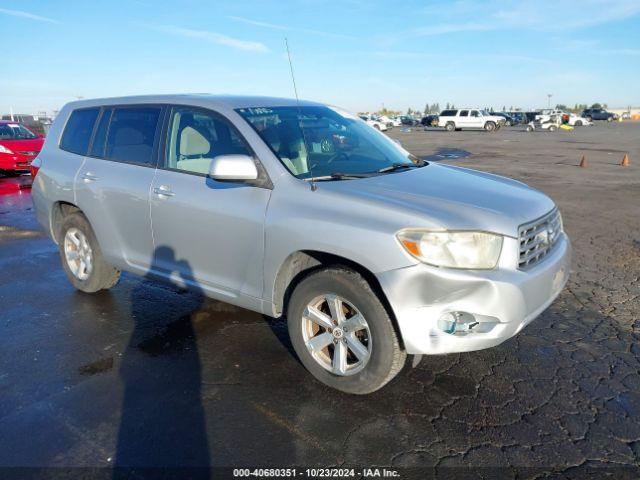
x: 77, y: 132
x: 319, y: 141
x: 131, y: 134
x: 15, y: 131
x: 196, y: 137
x: 474, y: 113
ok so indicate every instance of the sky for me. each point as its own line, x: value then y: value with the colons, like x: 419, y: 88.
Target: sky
x: 358, y: 54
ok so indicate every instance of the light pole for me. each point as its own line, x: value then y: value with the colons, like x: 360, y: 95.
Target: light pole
x: 549, y: 95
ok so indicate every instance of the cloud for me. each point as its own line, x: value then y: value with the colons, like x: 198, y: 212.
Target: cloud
x: 274, y: 26
x: 213, y: 37
x: 30, y: 16
x: 538, y: 15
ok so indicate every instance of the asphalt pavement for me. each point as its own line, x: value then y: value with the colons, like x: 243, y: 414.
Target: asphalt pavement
x: 148, y: 375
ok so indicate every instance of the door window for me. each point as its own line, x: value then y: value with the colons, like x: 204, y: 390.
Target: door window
x: 77, y: 132
x: 131, y: 134
x: 464, y: 113
x: 196, y: 137
x: 475, y: 113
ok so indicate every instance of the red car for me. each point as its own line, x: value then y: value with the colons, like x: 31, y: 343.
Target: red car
x: 18, y: 147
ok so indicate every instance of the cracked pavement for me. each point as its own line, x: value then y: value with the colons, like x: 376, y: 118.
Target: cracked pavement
x: 149, y: 375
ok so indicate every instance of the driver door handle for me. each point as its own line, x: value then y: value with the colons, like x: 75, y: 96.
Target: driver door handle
x: 163, y: 191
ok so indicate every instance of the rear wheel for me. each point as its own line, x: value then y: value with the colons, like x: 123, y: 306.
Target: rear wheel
x: 529, y: 128
x: 450, y: 127
x: 553, y: 128
x: 578, y: 123
x: 342, y: 333
x: 376, y: 127
x: 82, y: 258
x: 590, y: 119
x: 609, y: 119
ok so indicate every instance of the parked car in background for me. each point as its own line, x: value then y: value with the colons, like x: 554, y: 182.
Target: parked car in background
x: 222, y: 194
x: 518, y: 117
x: 508, y: 120
x: 599, y: 114
x: 386, y: 120
x: 469, y: 118
x: 410, y: 121
x: 374, y: 123
x: 18, y: 147
x: 575, y: 120
x: 429, y: 121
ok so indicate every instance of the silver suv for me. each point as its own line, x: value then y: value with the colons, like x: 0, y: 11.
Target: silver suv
x: 302, y: 210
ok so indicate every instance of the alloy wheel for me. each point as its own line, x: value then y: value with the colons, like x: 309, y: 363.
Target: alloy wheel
x: 336, y: 335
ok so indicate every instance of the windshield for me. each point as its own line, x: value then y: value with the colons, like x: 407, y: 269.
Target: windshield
x: 15, y: 131
x: 485, y: 113
x: 321, y: 141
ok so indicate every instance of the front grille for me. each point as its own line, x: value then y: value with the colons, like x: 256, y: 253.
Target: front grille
x: 537, y: 238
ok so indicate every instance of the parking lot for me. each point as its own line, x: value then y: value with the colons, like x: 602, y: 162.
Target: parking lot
x: 149, y: 375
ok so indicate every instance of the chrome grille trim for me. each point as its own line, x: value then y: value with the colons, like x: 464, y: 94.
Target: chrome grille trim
x: 537, y: 238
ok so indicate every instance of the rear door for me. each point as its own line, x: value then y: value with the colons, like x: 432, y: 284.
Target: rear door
x: 112, y: 186
x: 463, y: 119
x: 206, y: 231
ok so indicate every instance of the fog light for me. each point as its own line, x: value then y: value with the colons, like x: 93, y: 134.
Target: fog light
x: 457, y: 323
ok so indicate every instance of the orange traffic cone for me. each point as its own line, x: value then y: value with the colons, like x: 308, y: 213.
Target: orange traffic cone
x: 625, y: 161
x: 583, y: 162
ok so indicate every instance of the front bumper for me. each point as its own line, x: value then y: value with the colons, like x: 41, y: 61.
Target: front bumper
x: 503, y: 300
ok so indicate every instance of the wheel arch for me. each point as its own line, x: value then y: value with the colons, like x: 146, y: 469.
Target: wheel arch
x: 60, y: 210
x: 300, y: 264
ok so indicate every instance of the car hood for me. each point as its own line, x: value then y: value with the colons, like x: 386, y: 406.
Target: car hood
x: 448, y: 197
x: 24, y: 145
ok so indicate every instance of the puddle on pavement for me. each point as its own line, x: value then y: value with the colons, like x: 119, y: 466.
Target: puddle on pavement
x: 446, y: 154
x: 99, y: 366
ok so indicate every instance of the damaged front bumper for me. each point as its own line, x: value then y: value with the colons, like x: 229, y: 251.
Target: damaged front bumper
x: 441, y: 310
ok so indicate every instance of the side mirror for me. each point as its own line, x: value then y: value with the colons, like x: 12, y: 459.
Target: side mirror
x: 233, y: 167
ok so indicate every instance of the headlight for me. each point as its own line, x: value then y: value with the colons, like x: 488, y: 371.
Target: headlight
x: 462, y: 249
x: 4, y: 149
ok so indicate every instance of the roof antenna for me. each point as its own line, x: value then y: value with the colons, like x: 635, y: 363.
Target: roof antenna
x: 314, y: 187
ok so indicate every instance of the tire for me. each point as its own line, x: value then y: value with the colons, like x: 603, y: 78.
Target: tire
x: 507, y: 123
x: 553, y: 128
x: 609, y: 119
x: 376, y: 127
x: 590, y: 119
x: 101, y: 275
x: 385, y: 356
x: 529, y: 128
x: 490, y: 126
x: 578, y: 123
x: 450, y: 127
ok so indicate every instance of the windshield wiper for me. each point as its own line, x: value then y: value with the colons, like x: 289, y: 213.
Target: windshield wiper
x: 401, y: 166
x: 337, y: 176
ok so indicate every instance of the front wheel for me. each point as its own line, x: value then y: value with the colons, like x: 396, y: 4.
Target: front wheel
x: 342, y: 333
x: 82, y: 258
x: 590, y: 119
x: 529, y: 128
x: 610, y: 119
x: 490, y: 126
x: 553, y: 128
x: 578, y: 123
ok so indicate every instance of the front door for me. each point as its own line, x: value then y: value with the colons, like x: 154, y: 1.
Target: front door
x: 206, y: 232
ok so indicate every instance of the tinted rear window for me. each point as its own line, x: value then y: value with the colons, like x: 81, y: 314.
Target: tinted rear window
x: 131, y: 134
x: 448, y: 113
x: 77, y: 132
